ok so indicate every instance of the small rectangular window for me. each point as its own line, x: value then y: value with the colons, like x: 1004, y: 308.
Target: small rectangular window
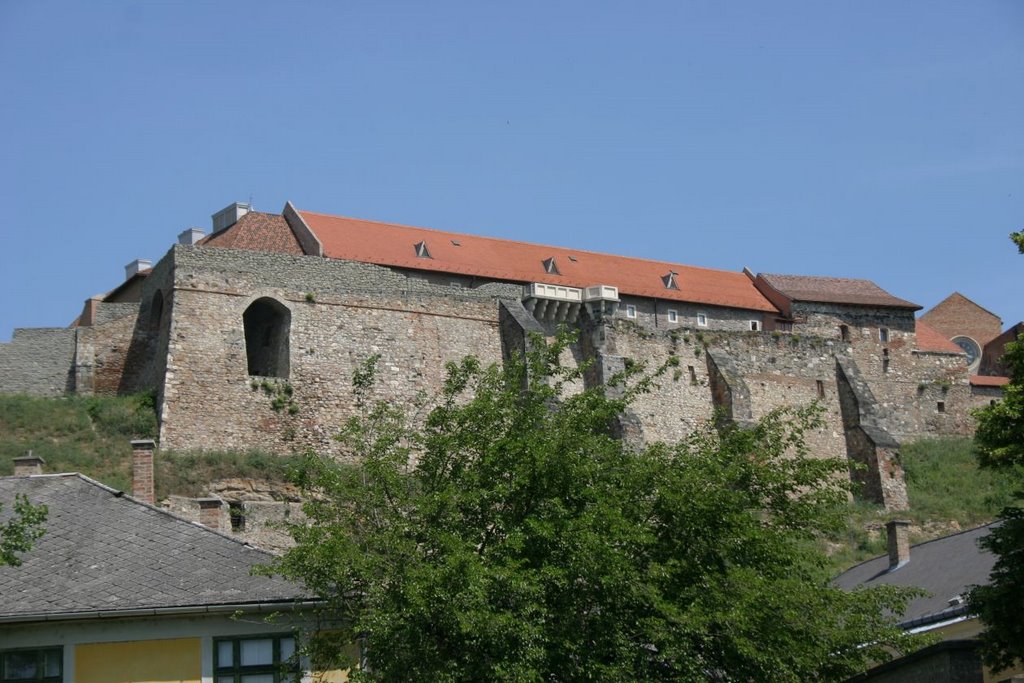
x: 693, y: 374
x: 673, y: 316
x: 38, y: 664
x: 755, y: 325
x: 940, y: 406
x: 237, y: 516
x: 630, y: 311
x: 260, y: 658
x: 702, y: 319
x: 883, y: 334
x: 844, y: 333
x: 821, y: 388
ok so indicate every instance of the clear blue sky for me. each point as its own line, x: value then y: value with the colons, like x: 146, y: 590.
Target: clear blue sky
x: 882, y: 140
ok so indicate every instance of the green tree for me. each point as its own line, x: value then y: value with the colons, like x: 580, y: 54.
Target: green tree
x: 512, y: 537
x: 19, y: 532
x: 999, y: 441
x: 1018, y: 239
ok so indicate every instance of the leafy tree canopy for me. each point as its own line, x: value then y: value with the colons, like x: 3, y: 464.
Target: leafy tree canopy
x: 19, y: 532
x: 512, y: 537
x: 1000, y: 444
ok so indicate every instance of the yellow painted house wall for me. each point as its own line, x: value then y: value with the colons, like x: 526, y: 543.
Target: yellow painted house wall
x: 140, y: 661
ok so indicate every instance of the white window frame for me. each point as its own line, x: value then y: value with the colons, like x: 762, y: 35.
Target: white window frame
x: 702, y: 319
x: 755, y: 325
x: 883, y: 335
x: 673, y: 315
x: 630, y: 311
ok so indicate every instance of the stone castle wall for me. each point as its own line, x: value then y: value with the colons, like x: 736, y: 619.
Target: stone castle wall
x: 186, y: 338
x: 341, y: 314
x: 38, y: 361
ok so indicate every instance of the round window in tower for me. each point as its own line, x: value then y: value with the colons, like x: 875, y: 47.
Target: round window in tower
x: 972, y: 350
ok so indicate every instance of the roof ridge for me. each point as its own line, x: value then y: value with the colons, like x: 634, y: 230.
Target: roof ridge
x: 825, y: 277
x: 523, y: 242
x: 917, y: 545
x: 117, y: 493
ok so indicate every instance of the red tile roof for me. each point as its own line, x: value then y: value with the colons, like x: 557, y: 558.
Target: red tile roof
x: 834, y: 290
x: 987, y: 381
x: 930, y: 339
x: 256, y: 231
x: 395, y: 245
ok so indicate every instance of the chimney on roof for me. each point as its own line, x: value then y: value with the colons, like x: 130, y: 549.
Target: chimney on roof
x: 229, y: 215
x: 135, y: 266
x: 209, y: 512
x: 142, y: 470
x: 190, y: 236
x: 28, y: 464
x: 898, y: 537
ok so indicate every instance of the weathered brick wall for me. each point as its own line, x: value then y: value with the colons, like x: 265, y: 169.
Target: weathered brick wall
x: 341, y: 314
x: 958, y: 315
x: 102, y: 348
x: 38, y: 361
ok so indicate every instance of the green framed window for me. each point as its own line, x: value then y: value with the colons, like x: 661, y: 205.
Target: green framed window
x: 255, y: 659
x: 36, y: 664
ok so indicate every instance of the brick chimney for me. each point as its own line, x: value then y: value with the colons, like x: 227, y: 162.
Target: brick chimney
x: 899, y: 543
x: 209, y: 512
x: 142, y: 470
x: 28, y: 465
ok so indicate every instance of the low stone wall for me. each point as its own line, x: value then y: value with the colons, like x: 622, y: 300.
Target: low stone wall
x: 38, y: 361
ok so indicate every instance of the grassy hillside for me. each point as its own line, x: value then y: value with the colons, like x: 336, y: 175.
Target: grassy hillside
x: 90, y: 435
x: 947, y: 492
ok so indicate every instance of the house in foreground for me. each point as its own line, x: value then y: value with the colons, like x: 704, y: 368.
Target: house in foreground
x: 120, y: 590
x: 946, y: 568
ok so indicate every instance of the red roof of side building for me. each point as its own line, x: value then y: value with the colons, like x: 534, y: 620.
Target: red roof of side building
x: 930, y: 339
x: 388, y: 244
x: 256, y: 231
x: 834, y: 290
x: 989, y: 381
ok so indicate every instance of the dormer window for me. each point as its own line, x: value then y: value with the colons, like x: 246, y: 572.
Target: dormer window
x: 669, y: 280
x: 550, y: 267
x: 456, y: 243
x: 422, y: 251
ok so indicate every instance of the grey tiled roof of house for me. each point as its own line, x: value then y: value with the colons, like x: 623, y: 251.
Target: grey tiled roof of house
x: 105, y: 552
x: 945, y: 567
x: 838, y: 290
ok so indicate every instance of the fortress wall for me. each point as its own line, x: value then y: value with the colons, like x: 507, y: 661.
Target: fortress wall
x: 681, y: 402
x: 907, y: 388
x: 38, y: 361
x: 352, y: 312
x: 102, y: 349
x: 764, y: 371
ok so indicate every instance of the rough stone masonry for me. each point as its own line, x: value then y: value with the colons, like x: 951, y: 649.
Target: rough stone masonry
x: 251, y: 336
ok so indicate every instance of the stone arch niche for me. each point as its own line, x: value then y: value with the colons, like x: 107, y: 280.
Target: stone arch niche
x: 267, y: 327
